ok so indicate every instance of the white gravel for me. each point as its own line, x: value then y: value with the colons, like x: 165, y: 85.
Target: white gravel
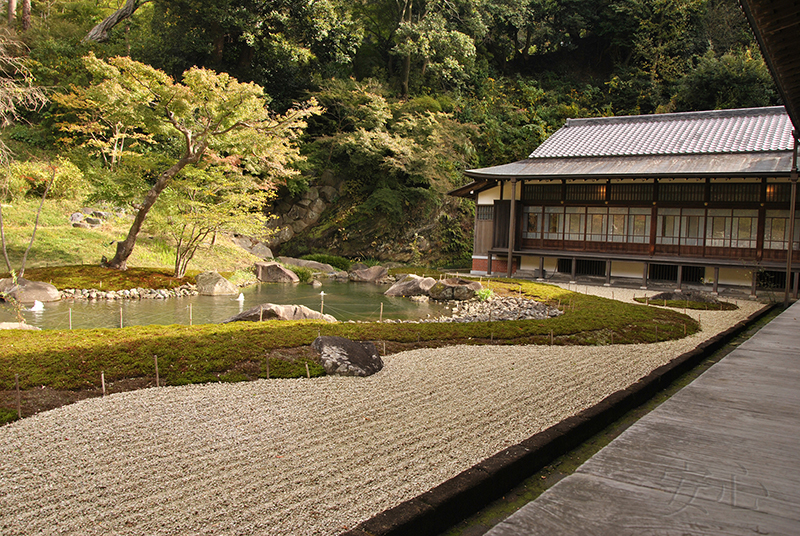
x: 301, y: 457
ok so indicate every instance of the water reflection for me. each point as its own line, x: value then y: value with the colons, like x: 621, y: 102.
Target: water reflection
x: 345, y: 301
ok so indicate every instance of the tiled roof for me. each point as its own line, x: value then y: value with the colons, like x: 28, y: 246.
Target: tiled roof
x: 721, y: 131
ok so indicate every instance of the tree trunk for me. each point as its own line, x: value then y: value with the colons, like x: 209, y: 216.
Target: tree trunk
x: 26, y: 15
x: 99, y: 34
x: 12, y: 12
x: 125, y: 248
x: 406, y: 75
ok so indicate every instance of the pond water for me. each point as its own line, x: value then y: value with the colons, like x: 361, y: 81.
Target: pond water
x: 345, y: 301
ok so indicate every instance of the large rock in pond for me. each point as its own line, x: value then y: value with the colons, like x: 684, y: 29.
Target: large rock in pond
x: 26, y: 291
x: 271, y: 311
x: 272, y: 272
x: 369, y: 275
x: 411, y: 285
x: 311, y: 265
x: 454, y: 289
x: 343, y: 357
x: 213, y: 284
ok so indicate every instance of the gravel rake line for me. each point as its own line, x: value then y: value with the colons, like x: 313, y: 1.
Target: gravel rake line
x: 297, y: 457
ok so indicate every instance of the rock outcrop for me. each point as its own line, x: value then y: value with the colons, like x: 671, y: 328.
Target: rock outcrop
x: 311, y: 265
x: 343, y: 357
x: 253, y: 246
x: 213, y: 284
x: 272, y: 272
x: 411, y: 285
x: 368, y: 275
x: 271, y: 311
x: 26, y: 291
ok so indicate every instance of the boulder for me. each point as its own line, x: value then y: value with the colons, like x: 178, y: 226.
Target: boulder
x: 253, y: 246
x: 454, y: 289
x: 26, y: 291
x: 81, y: 225
x: 411, y: 285
x: 328, y: 193
x: 311, y: 265
x: 271, y: 311
x: 272, y: 272
x: 102, y: 215
x: 18, y: 325
x: 358, y: 266
x: 75, y: 217
x: 369, y: 275
x: 94, y: 222
x: 344, y: 357
x: 213, y: 284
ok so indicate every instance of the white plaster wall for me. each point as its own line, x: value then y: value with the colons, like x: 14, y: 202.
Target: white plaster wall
x: 732, y: 276
x: 529, y: 263
x: 487, y: 197
x: 627, y: 269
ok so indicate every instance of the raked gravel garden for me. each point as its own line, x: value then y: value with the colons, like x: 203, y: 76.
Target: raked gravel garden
x: 302, y: 457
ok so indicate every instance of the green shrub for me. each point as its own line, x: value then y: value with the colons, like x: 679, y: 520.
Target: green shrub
x: 484, y: 294
x: 31, y: 178
x: 337, y: 262
x: 7, y: 416
x: 304, y: 274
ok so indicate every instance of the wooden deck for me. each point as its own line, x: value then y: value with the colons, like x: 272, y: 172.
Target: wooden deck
x: 722, y: 456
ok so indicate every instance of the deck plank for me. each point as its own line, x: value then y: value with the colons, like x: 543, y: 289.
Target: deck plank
x: 720, y: 457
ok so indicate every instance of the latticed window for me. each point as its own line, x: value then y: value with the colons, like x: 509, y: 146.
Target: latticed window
x: 542, y: 192
x: 732, y: 228
x: 484, y: 212
x: 735, y: 192
x: 681, y: 192
x: 586, y: 193
x: 532, y: 222
x: 776, y: 230
x: 631, y: 192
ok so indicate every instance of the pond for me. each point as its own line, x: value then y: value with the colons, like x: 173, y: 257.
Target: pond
x: 345, y: 301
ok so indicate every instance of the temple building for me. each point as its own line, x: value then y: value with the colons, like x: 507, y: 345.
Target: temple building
x: 696, y: 197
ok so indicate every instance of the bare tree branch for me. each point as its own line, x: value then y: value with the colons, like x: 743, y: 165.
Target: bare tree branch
x: 99, y: 34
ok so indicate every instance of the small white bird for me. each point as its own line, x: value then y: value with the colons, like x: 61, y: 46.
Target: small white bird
x: 37, y: 306
x: 240, y: 298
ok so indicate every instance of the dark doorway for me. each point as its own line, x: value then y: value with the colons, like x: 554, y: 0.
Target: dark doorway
x: 693, y: 274
x: 663, y: 272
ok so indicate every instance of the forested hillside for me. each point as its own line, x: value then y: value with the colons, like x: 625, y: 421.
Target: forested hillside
x: 384, y: 102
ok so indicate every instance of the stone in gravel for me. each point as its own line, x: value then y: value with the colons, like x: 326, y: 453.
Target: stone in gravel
x: 343, y: 357
x: 454, y: 289
x: 271, y: 311
x: 213, y: 284
x: 411, y: 285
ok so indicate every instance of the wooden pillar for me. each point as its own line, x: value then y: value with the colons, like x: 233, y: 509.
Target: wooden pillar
x: 753, y: 283
x: 716, y: 280
x: 541, y: 268
x: 644, y: 275
x: 792, y: 202
x: 608, y: 273
x: 489, y: 264
x: 512, y: 226
x: 680, y: 277
x: 796, y: 283
x: 574, y: 270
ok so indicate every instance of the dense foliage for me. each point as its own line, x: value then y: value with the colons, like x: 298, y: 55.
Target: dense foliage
x: 413, y: 92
